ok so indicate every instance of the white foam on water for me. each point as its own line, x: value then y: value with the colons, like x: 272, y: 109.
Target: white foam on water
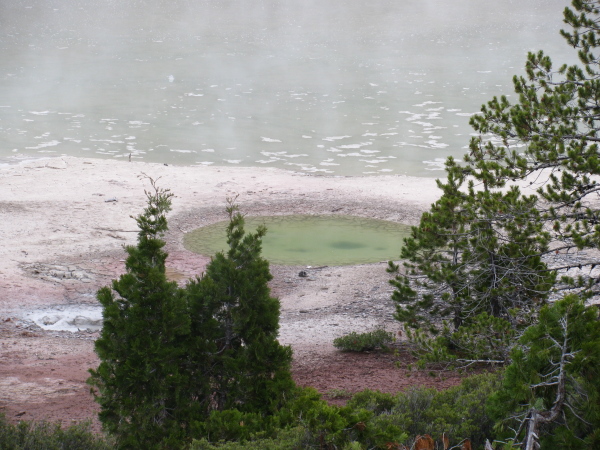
x: 370, y: 151
x: 233, y: 161
x: 414, y: 116
x: 467, y: 114
x: 191, y: 94
x: 424, y: 124
x: 435, y: 164
x: 362, y: 144
x: 39, y: 113
x: 181, y: 150
x: 266, y: 139
x: 428, y: 102
x: 335, y: 138
x: 436, y: 144
x: 209, y: 150
x: 408, y: 144
x: 110, y: 141
x: 44, y: 145
x: 304, y: 136
x: 315, y: 169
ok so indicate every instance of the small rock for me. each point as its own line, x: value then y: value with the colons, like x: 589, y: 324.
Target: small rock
x: 303, y: 274
x: 56, y: 274
x: 50, y: 320
x: 78, y: 274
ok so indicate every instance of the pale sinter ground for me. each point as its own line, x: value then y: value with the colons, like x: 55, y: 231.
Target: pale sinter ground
x: 63, y: 239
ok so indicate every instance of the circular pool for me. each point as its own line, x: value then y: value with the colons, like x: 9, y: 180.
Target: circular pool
x: 311, y: 240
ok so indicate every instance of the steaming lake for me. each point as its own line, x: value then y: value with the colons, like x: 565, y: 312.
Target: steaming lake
x: 334, y: 87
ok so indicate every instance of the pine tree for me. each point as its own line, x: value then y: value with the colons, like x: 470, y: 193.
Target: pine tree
x: 431, y: 288
x: 139, y: 382
x: 485, y: 248
x: 249, y: 369
x: 172, y: 358
x: 549, y: 137
x: 475, y: 261
x: 550, y: 397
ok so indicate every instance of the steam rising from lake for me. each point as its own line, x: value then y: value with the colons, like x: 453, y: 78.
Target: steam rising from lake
x: 333, y: 87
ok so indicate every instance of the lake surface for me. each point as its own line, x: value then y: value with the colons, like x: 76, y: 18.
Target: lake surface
x: 312, y: 240
x: 334, y: 87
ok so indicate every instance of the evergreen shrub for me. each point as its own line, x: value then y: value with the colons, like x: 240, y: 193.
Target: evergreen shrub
x: 49, y: 436
x: 361, y: 342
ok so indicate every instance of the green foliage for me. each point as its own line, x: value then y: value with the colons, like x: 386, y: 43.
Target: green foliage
x: 484, y: 339
x: 549, y: 137
x: 284, y: 439
x: 477, y: 251
x: 338, y: 393
x: 47, y: 436
x: 235, y: 322
x: 484, y: 247
x: 140, y: 381
x: 178, y: 363
x: 459, y: 412
x: 551, y: 387
x: 360, y: 342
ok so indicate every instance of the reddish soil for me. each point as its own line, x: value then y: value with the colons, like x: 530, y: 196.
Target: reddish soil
x: 43, y: 374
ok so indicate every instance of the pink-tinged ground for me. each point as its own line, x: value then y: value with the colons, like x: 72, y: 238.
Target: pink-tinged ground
x: 61, y: 241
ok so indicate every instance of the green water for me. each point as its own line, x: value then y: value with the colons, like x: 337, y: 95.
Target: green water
x: 312, y: 240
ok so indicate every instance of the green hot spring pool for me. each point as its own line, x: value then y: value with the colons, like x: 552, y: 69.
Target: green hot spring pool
x: 311, y: 240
